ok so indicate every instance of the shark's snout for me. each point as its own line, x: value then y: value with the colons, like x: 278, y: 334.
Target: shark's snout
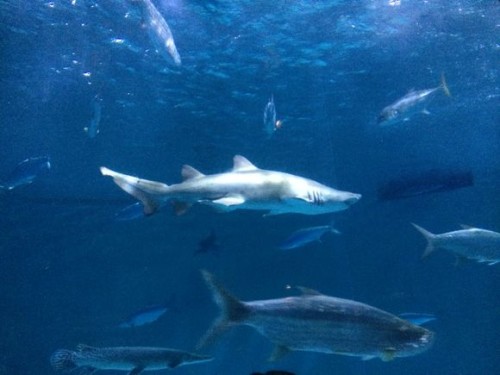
x: 353, y: 198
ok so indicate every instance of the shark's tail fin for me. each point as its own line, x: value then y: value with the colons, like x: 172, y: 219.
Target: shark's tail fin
x: 444, y: 85
x: 63, y: 360
x: 148, y: 192
x: 233, y: 311
x: 429, y: 237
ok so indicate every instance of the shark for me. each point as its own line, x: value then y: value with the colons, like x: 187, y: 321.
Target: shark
x: 244, y: 187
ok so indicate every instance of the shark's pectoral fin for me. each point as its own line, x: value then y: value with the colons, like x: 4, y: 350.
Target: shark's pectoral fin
x: 388, y: 354
x: 174, y: 363
x: 230, y: 200
x: 279, y: 352
x: 136, y: 371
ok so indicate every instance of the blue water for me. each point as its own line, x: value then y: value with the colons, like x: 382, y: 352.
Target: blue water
x: 70, y: 273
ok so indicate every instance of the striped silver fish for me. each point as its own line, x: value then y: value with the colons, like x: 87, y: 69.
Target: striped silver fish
x: 319, y: 323
x: 127, y: 358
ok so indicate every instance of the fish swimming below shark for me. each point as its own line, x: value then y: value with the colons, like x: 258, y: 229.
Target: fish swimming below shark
x: 26, y: 172
x: 134, y: 360
x: 315, y: 322
x: 244, y: 187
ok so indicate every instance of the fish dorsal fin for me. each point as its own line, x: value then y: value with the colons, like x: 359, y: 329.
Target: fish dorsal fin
x: 308, y: 292
x: 241, y: 163
x: 465, y: 226
x: 188, y: 173
x: 84, y: 348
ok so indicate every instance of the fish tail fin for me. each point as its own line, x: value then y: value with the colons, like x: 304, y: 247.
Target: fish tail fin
x: 233, y: 310
x: 147, y: 192
x: 429, y: 237
x: 444, y: 85
x: 63, y: 360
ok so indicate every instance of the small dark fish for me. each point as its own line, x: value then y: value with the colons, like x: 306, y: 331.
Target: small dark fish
x: 26, y: 172
x: 134, y: 360
x: 305, y: 236
x: 274, y: 372
x: 208, y: 244
x: 145, y: 316
x: 93, y: 129
x: 269, y: 118
x: 431, y: 181
x: 418, y: 318
x: 131, y: 212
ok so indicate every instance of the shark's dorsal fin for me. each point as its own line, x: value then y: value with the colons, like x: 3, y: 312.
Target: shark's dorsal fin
x: 308, y: 292
x: 241, y: 163
x: 189, y: 173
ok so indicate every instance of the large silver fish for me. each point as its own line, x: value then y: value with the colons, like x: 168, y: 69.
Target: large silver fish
x: 319, y: 323
x: 411, y: 103
x: 159, y: 31
x: 127, y: 358
x: 477, y: 244
x: 244, y: 187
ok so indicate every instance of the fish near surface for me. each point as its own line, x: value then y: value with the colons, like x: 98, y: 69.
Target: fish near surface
x: 159, y: 31
x: 476, y: 244
x: 244, y: 187
x: 26, y: 172
x: 402, y: 109
x: 93, y: 129
x: 319, y: 323
x: 126, y: 358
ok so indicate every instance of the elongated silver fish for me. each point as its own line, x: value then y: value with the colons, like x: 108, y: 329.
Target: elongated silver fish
x: 127, y: 358
x: 319, y: 323
x: 159, y: 31
x: 270, y: 118
x: 244, y: 187
x: 404, y: 108
x: 477, y: 244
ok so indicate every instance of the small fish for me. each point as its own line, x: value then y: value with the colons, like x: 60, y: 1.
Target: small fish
x: 244, y: 187
x: 208, y: 244
x: 418, y: 318
x: 270, y: 123
x: 274, y: 372
x: 93, y: 129
x: 145, y: 316
x: 26, y: 172
x: 159, y: 32
x: 420, y: 183
x: 131, y: 212
x: 318, y: 323
x: 305, y: 236
x: 477, y: 244
x: 410, y: 104
x: 132, y: 359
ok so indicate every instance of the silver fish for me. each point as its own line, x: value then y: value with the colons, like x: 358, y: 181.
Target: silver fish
x: 159, y: 31
x: 145, y: 316
x: 132, y: 359
x: 477, y: 244
x: 270, y: 118
x: 244, y: 187
x: 404, y: 108
x: 318, y: 323
x: 26, y: 172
